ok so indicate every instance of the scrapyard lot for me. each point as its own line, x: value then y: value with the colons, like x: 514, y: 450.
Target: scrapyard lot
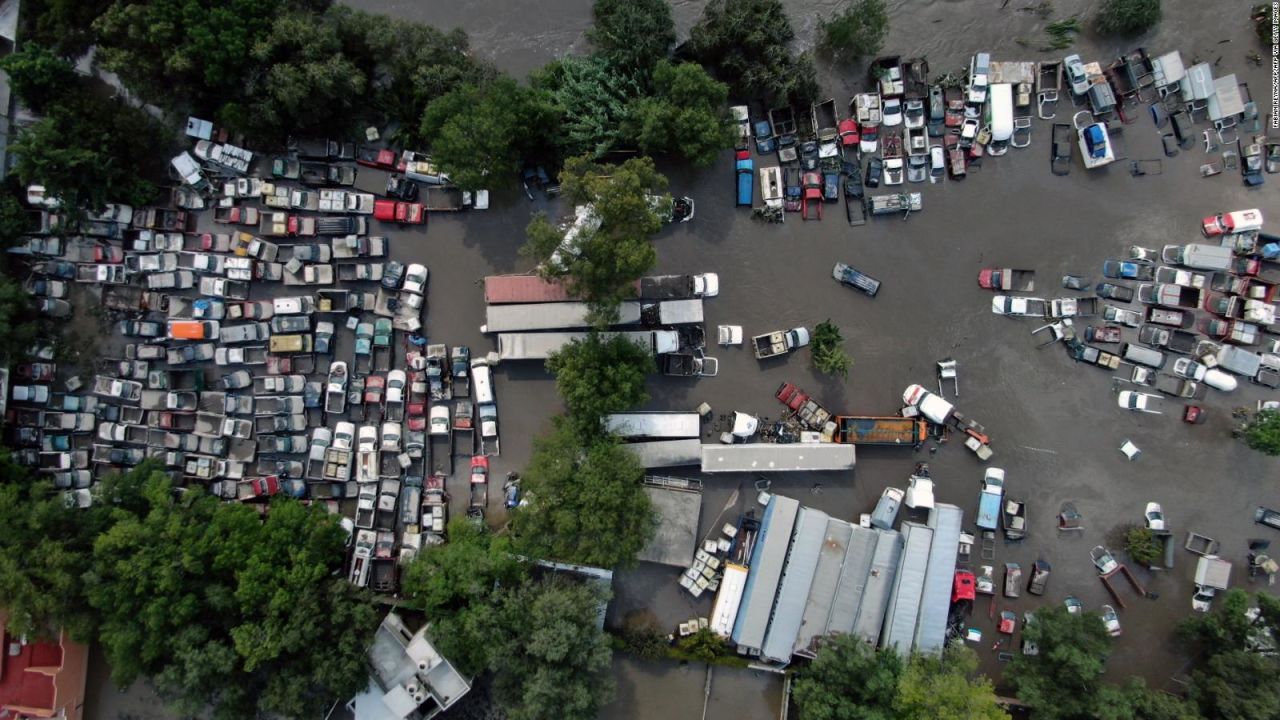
x: 1054, y: 423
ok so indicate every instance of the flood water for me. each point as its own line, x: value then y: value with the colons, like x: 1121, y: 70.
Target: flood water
x: 1054, y: 423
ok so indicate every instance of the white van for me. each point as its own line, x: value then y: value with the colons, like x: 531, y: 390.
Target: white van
x: 1142, y: 355
x: 1000, y: 118
x: 481, y: 382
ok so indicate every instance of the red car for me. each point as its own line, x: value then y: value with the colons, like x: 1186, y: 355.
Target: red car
x: 812, y: 183
x: 479, y: 469
x: 298, y: 225
x: 37, y: 371
x: 963, y: 587
x: 376, y: 157
x: 1232, y: 222
x: 109, y: 254
x: 397, y: 211
x: 373, y: 389
x: 849, y: 136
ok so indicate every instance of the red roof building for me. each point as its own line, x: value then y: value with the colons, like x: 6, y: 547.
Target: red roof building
x: 41, y: 678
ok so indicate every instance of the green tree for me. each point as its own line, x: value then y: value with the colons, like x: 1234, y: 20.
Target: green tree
x: 175, y: 52
x: 586, y: 503
x: 1135, y: 701
x: 828, y: 350
x: 686, y: 116
x: 632, y: 35
x: 946, y: 687
x: 38, y: 76
x: 704, y: 646
x: 88, y: 151
x: 1237, y: 685
x: 596, y: 377
x: 1262, y: 433
x: 19, y: 327
x: 1128, y: 17
x: 14, y: 219
x: 848, y: 679
x: 554, y: 660
x: 747, y: 44
x: 65, y: 26
x: 459, y: 586
x: 481, y: 135
x: 1062, y: 680
x: 303, y: 82
x: 858, y: 30
x: 1231, y: 627
x: 410, y: 64
x: 610, y: 249
x: 592, y: 98
x: 1141, y: 545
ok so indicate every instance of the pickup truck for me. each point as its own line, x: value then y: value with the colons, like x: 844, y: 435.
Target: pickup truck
x: 805, y: 408
x: 342, y: 225
x: 991, y: 498
x: 1073, y: 307
x: 847, y: 275
x: 1007, y: 279
x: 687, y: 365
x: 779, y: 342
x: 1012, y: 306
x: 1169, y: 295
x: 127, y: 390
x: 1175, y: 386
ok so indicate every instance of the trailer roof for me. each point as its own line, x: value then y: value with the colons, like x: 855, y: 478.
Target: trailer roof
x: 550, y: 316
x: 1226, y: 100
x: 666, y: 453
x: 729, y: 599
x: 657, y: 424
x: 767, y: 559
x: 935, y: 601
x: 879, y: 584
x: 904, y: 603
x: 797, y: 579
x: 777, y: 457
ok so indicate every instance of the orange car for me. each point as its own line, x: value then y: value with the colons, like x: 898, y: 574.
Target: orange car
x: 193, y: 329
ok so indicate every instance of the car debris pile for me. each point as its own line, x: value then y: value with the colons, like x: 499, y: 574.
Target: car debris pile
x: 227, y: 360
x: 1209, y: 310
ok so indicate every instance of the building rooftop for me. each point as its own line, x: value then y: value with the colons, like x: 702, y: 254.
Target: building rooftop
x: 409, y: 680
x: 41, y: 678
x: 676, y: 536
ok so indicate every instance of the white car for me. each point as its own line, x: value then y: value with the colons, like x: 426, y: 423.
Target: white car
x: 1015, y: 306
x: 35, y: 394
x: 1111, y: 621
x: 892, y: 112
x: 937, y: 162
x: 368, y: 440
x: 343, y: 434
x: 913, y: 115
x: 1076, y: 77
x: 391, y: 437
x: 1141, y: 402
x: 415, y: 279
x: 893, y: 171
x: 1189, y: 369
x: 969, y: 129
x: 1155, y: 516
x: 1125, y: 317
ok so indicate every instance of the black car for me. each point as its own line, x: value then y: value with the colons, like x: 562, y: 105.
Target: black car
x: 1268, y: 517
x: 875, y: 169
x: 831, y: 186
x: 1111, y: 291
x: 809, y: 155
x: 392, y: 275
x: 402, y: 188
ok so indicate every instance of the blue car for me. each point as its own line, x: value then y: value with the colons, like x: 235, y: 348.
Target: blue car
x: 746, y: 179
x: 1127, y: 270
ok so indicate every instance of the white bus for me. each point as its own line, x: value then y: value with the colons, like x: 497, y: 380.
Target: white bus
x: 1001, y: 118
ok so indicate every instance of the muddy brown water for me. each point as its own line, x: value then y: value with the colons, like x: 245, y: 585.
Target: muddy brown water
x: 1054, y: 423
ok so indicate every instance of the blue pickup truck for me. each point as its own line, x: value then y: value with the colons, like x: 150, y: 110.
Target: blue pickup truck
x: 746, y: 179
x: 989, y: 501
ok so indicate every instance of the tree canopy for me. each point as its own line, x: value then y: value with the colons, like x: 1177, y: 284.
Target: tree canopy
x: 1236, y: 678
x: 459, y: 586
x: 1062, y: 680
x: 828, y: 352
x: 1262, y: 433
x: 847, y: 679
x: 1128, y: 17
x: 946, y: 687
x: 857, y: 31
x: 586, y: 503
x: 480, y: 135
x: 38, y: 76
x: 632, y: 35
x: 596, y: 377
x: 687, y: 115
x: 611, y: 248
x: 592, y: 101
x: 554, y: 660
x: 747, y: 44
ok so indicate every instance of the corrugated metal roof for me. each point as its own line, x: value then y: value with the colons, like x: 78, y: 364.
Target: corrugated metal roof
x: 777, y: 457
x: 797, y: 579
x: 767, y: 560
x: 879, y: 585
x: 826, y: 578
x: 904, y: 603
x: 935, y: 601
x: 1197, y: 84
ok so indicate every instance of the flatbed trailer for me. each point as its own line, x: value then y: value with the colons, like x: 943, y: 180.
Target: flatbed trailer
x: 893, y: 430
x: 1122, y: 569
